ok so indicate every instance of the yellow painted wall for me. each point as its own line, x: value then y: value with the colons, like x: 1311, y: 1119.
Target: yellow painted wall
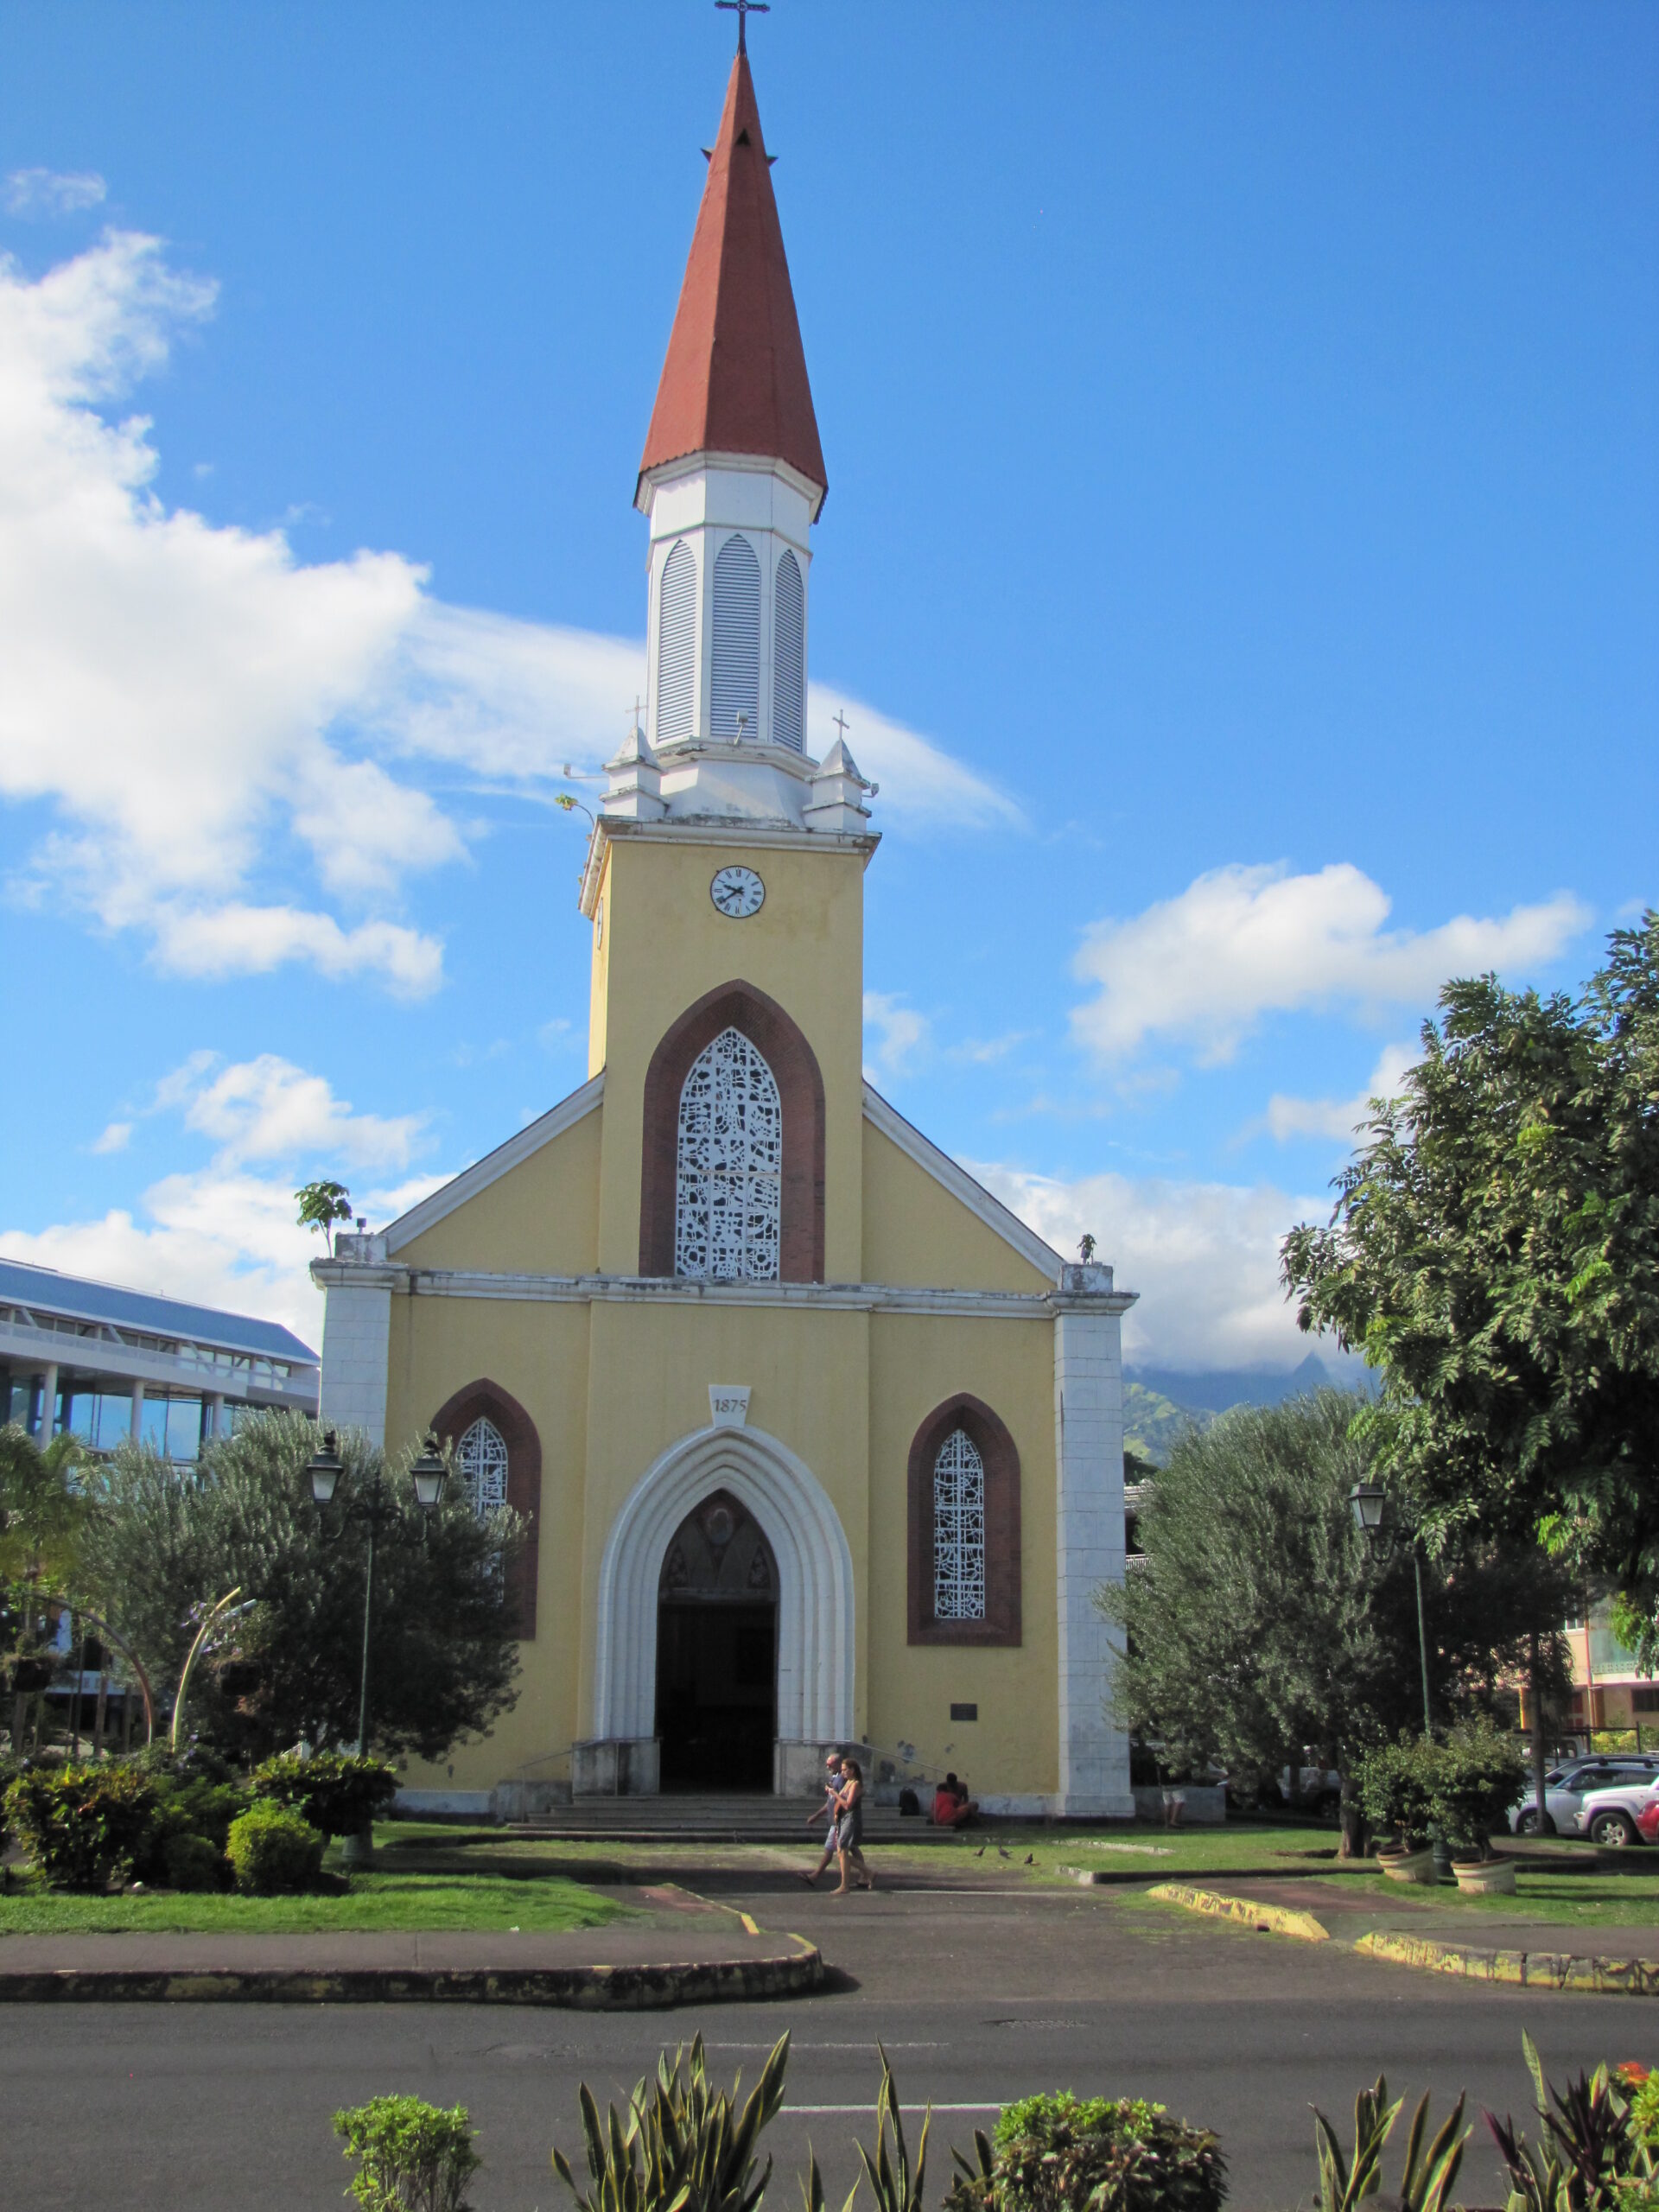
x: 668, y: 946
x: 541, y: 1218
x: 539, y: 1352
x: 599, y: 979
x: 916, y: 1362
x: 915, y: 1232
x: 808, y: 1373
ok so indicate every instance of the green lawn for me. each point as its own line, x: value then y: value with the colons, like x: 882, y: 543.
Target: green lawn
x: 383, y: 1899
x: 1570, y: 1901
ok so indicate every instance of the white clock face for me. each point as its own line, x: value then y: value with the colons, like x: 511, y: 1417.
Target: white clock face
x: 737, y: 893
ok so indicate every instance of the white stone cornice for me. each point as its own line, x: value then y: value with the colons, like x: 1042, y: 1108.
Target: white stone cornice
x: 685, y: 1290
x: 885, y: 1117
x: 713, y: 829
x: 483, y: 1172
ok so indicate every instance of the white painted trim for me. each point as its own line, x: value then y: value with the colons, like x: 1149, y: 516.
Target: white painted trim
x: 885, y: 1117
x: 815, y: 1576
x: 735, y: 830
x: 482, y: 1172
x: 685, y: 1290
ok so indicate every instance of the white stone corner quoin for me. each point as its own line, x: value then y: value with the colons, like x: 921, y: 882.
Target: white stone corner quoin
x: 1094, y: 1777
x: 815, y: 1578
x: 357, y: 1333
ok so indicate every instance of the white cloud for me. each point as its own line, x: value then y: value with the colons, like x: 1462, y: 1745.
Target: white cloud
x: 115, y: 1137
x: 1242, y: 942
x: 1204, y: 1256
x: 268, y: 1108
x: 986, y: 1051
x: 894, y: 1032
x: 199, y: 709
x: 1339, y: 1117
x: 917, y: 780
x: 219, y: 1238
x: 53, y: 192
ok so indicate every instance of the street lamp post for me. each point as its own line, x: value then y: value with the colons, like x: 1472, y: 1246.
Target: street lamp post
x: 1370, y: 1501
x: 376, y: 1507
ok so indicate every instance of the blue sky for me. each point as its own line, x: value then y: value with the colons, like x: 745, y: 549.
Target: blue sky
x: 1239, y: 568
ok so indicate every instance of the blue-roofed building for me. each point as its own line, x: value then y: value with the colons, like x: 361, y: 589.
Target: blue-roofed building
x: 107, y: 1362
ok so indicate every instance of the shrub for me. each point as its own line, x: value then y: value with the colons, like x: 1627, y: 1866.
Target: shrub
x: 191, y: 1862
x: 1474, y: 1777
x: 82, y: 1826
x: 1069, y: 2154
x: 272, y: 1851
x: 188, y: 1804
x: 416, y: 2156
x: 336, y: 1791
x: 1392, y: 1783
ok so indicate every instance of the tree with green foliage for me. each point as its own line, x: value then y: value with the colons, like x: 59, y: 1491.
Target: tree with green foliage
x: 321, y: 1205
x: 159, y: 1540
x: 1259, y: 1624
x: 1494, y: 1252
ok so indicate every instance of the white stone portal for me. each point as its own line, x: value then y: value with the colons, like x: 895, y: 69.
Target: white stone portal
x: 815, y: 1583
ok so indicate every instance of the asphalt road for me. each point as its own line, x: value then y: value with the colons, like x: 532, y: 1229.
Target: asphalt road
x: 978, y: 1998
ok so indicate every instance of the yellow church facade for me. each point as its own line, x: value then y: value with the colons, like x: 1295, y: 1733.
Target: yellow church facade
x: 814, y: 1442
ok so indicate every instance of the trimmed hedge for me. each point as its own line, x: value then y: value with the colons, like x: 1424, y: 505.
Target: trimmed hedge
x: 335, y: 1792
x: 274, y: 1853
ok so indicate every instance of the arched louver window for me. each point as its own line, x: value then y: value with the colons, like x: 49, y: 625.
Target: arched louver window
x: 735, y: 688
x: 958, y: 1530
x: 789, y: 656
x: 676, y: 635
x: 481, y: 1461
x: 729, y: 1183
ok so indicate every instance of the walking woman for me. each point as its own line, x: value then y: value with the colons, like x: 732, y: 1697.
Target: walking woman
x: 849, y: 1828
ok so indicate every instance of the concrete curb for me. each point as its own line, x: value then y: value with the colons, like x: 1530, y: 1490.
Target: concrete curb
x: 1576, y: 1973
x: 1279, y: 1918
x: 597, y: 1989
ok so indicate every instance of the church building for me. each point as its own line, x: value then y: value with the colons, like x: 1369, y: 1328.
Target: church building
x: 815, y: 1442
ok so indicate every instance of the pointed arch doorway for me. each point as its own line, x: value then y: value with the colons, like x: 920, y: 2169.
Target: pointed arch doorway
x: 716, y: 1718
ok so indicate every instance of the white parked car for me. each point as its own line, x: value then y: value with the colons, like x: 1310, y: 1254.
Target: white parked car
x: 1568, y: 1784
x: 1627, y: 1813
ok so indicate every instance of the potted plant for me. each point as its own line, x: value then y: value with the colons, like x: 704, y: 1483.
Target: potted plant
x: 1474, y: 1777
x: 1392, y: 1786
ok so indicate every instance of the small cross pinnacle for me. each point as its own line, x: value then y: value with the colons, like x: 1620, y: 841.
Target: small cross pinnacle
x: 745, y: 9
x: 841, y: 724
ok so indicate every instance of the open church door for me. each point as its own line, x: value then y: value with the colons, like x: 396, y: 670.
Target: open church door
x: 717, y: 1652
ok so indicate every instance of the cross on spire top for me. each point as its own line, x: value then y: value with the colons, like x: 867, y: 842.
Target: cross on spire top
x: 839, y: 721
x: 744, y: 9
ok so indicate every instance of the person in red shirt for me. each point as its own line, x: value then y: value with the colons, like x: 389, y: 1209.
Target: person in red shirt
x: 952, y: 1807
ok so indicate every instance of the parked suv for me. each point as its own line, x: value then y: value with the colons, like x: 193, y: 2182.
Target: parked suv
x: 1626, y: 1813
x: 1567, y: 1786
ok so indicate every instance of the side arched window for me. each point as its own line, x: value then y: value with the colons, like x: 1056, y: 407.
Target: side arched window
x: 498, y: 1462
x: 963, y: 1579
x: 676, y: 638
x: 481, y: 1461
x: 958, y: 1530
x: 735, y: 688
x: 729, y: 1180
x: 789, y: 656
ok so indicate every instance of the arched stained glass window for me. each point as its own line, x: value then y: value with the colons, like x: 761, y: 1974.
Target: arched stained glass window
x: 676, y: 635
x: 958, y: 1530
x: 735, y: 684
x: 729, y: 1180
x: 789, y: 656
x: 481, y: 1459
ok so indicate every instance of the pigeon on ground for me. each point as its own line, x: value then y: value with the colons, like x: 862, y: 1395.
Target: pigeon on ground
x: 1031, y: 1859
x: 1001, y: 1854
x: 980, y: 1853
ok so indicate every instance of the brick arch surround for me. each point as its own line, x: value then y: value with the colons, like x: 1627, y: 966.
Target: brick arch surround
x: 452, y: 1421
x: 1000, y: 1458
x: 800, y: 1086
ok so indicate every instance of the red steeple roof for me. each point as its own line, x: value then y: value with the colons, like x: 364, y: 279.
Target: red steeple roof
x: 734, y: 379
